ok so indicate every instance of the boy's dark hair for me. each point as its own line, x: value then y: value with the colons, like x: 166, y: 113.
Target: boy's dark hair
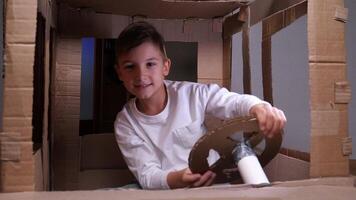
x: 137, y: 33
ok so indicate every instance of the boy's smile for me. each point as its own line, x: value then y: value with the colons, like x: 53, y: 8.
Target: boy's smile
x: 143, y: 70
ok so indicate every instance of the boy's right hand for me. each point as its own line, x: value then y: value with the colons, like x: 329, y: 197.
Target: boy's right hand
x: 185, y: 178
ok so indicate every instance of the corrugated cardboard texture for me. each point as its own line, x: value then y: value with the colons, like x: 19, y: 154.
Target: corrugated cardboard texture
x: 164, y: 9
x: 100, y: 151
x: 284, y: 168
x: 321, y: 20
x: 316, y: 189
x: 329, y: 118
x: 104, y: 178
x: 260, y: 9
x: 17, y: 163
x: 66, y: 146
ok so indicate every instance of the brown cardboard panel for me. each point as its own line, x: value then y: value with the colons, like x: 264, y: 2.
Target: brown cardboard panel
x: 184, y: 30
x: 320, y: 22
x: 68, y: 151
x: 100, y: 151
x: 66, y: 126
x: 24, y: 131
x: 68, y: 72
x: 17, y: 181
x: 10, y: 151
x: 39, y: 171
x: 227, y: 50
x: 347, y: 181
x: 159, y: 8
x: 260, y: 9
x: 220, y: 82
x: 327, y: 158
x: 332, y: 152
x: 18, y: 71
x: 210, y: 59
x: 342, y: 92
x: 18, y: 102
x: 322, y: 80
x: 13, y: 137
x: 22, y: 168
x: 284, y: 18
x: 347, y: 146
x: 341, y: 14
x: 15, y: 151
x: 285, y: 168
x: 353, y: 167
x: 331, y: 169
x: 67, y: 107
x: 104, y: 178
x: 307, y: 189
x: 66, y: 88
x: 69, y: 52
x: 20, y: 31
x: 329, y: 122
x: 300, y: 155
x: 12, y: 123
x: 21, y: 9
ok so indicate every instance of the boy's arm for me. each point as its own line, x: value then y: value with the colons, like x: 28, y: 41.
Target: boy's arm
x: 224, y: 104
x: 271, y: 120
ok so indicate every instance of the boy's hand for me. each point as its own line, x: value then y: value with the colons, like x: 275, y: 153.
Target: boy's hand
x: 271, y: 120
x: 185, y: 178
x: 206, y: 179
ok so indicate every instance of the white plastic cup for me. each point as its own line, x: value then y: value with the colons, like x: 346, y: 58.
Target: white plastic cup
x: 249, y: 167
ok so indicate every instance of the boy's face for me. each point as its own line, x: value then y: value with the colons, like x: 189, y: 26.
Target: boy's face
x: 142, y: 70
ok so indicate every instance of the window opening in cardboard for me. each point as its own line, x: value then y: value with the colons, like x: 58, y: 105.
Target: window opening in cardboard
x: 38, y: 83
x: 103, y: 94
x: 288, y: 76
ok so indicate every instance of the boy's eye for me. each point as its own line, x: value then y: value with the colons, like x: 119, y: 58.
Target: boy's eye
x: 151, y: 64
x: 128, y: 66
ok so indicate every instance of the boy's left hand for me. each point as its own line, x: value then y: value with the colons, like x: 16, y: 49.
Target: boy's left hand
x: 271, y: 120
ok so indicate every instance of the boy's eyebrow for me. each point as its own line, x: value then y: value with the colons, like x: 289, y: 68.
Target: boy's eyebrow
x: 152, y: 58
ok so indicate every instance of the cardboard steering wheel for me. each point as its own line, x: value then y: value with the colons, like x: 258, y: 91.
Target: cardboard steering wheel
x: 220, y: 140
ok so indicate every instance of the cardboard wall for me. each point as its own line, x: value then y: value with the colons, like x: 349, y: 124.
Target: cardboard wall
x: 48, y: 9
x: 327, y: 72
x: 17, y: 164
x: 1, y: 57
x: 21, y: 168
x: 65, y: 114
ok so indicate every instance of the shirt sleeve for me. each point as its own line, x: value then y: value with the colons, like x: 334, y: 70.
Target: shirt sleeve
x: 224, y: 104
x: 140, y: 158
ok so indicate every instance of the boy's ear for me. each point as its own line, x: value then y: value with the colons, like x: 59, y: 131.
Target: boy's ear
x: 166, y: 66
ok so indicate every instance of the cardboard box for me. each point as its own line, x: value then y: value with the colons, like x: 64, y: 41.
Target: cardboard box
x: 64, y: 161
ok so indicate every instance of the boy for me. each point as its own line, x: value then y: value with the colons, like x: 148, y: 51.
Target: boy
x: 157, y: 129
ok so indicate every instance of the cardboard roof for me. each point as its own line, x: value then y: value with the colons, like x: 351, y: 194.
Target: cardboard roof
x: 165, y: 9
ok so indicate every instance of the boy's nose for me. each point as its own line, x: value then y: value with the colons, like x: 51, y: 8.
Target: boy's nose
x: 140, y: 71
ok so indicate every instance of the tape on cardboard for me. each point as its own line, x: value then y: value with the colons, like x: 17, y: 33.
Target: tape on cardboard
x: 347, y: 146
x: 341, y: 14
x: 342, y: 92
x: 10, y: 147
x: 10, y: 151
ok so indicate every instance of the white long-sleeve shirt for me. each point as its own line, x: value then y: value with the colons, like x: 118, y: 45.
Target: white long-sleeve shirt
x: 155, y: 145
